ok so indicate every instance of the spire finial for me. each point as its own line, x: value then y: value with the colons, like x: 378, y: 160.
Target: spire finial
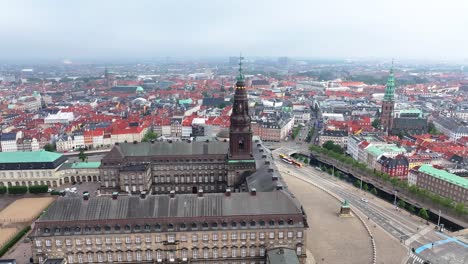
x: 241, y: 76
x: 391, y: 69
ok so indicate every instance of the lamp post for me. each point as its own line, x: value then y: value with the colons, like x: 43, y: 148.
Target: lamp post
x: 394, y: 201
x: 438, y: 221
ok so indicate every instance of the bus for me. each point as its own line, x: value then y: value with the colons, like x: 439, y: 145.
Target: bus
x: 298, y: 164
x: 285, y: 158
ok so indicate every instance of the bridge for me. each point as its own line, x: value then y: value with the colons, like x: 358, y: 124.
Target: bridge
x: 378, y: 183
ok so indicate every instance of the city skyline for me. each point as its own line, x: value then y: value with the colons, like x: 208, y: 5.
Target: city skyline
x: 51, y: 30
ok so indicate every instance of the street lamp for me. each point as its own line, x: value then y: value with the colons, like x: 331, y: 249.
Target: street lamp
x: 438, y: 221
x: 394, y: 201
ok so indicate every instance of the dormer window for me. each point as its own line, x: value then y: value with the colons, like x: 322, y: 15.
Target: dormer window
x: 194, y: 225
x: 234, y: 224
x: 46, y: 230
x: 97, y: 228
x: 157, y: 227
x: 170, y: 226
x: 243, y: 223
x: 252, y: 223
x: 137, y: 227
x: 224, y: 224
x: 117, y: 228
x: 127, y: 228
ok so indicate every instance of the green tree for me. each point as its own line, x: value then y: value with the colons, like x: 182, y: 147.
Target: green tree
x: 150, y: 135
x: 49, y: 147
x: 460, y: 208
x: 423, y: 214
x: 374, y: 191
x: 205, y: 94
x: 38, y: 189
x: 17, y: 189
x: 3, y: 189
x: 411, y: 209
x: 365, y: 187
x: 82, y: 156
x: 222, y: 89
x: 401, y: 204
x: 357, y: 183
x: 231, y: 89
x: 376, y: 123
x: 431, y: 129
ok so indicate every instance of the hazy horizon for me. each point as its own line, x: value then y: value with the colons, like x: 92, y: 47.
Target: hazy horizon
x: 132, y: 30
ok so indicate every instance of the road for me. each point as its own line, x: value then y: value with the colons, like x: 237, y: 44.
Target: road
x: 409, y: 230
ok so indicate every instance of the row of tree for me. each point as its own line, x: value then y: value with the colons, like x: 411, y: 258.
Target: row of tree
x: 24, y: 189
x: 423, y: 194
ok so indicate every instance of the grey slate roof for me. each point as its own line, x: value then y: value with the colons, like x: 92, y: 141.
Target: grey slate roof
x: 174, y: 148
x: 163, y: 206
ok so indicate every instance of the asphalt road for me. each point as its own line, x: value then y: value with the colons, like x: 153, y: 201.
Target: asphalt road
x: 410, y: 230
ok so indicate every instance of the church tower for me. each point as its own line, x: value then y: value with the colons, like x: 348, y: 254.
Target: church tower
x: 241, y: 160
x: 388, y: 104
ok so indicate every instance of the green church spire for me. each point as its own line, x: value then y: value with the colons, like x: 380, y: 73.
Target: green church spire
x: 241, y: 76
x: 390, y: 88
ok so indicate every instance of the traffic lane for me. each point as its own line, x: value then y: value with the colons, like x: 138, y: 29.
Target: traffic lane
x: 388, y: 219
x: 356, y: 201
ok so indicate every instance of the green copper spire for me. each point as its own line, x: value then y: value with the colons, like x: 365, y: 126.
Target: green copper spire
x: 241, y: 76
x: 390, y: 88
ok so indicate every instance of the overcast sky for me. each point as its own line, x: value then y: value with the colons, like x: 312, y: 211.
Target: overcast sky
x: 404, y: 29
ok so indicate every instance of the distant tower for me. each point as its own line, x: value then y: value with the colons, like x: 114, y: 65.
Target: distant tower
x: 388, y: 103
x: 240, y: 135
x: 110, y: 78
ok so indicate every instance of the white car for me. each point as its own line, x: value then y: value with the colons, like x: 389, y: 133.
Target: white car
x: 364, y: 200
x: 67, y: 189
x: 73, y: 189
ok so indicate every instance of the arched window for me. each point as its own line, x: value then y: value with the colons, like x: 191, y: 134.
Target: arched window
x: 271, y: 222
x: 117, y: 228
x: 107, y: 228
x: 262, y: 223
x: 137, y: 227
x: 241, y: 144
x: 243, y: 223
x: 170, y: 226
x: 281, y: 222
x: 183, y: 226
x: 214, y: 225
x: 77, y: 229
x: 157, y: 227
x: 97, y: 228
x: 252, y: 223
x: 224, y: 224
x: 194, y: 225
x: 234, y: 224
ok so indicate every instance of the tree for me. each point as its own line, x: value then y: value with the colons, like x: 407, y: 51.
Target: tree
x: 460, y: 208
x: 82, y: 156
x: 431, y: 129
x: 401, y: 204
x: 365, y: 187
x: 329, y: 145
x: 357, y: 183
x: 17, y: 189
x: 150, y: 135
x: 374, y: 191
x: 376, y: 123
x: 222, y: 89
x: 38, y: 189
x: 423, y: 214
x: 411, y: 209
x: 49, y: 147
x: 231, y: 89
x: 205, y: 94
x: 3, y: 189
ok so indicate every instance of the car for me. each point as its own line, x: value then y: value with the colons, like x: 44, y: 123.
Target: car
x: 364, y: 200
x: 67, y: 189
x: 73, y: 189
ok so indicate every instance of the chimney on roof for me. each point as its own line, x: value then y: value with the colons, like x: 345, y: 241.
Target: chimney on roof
x: 228, y: 192
x: 200, y: 193
x: 253, y: 192
x: 143, y: 195
x: 279, y: 187
x: 172, y: 194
